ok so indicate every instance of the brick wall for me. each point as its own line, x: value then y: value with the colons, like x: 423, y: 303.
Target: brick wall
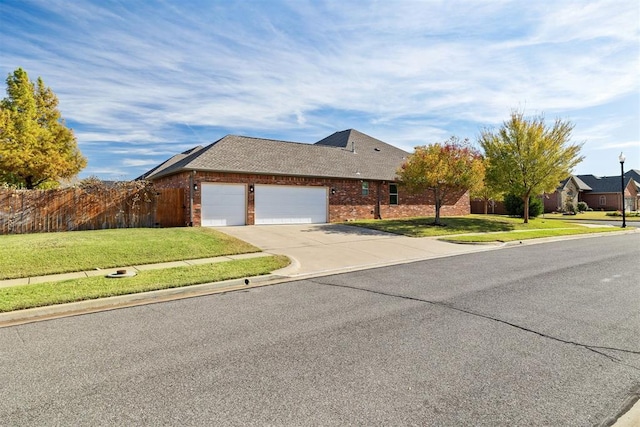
x: 611, y: 201
x: 552, y: 202
x: 411, y: 205
x: 346, y: 201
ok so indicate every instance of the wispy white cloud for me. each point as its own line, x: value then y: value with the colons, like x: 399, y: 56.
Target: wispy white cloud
x: 144, y: 74
x: 633, y: 145
x: 138, y: 162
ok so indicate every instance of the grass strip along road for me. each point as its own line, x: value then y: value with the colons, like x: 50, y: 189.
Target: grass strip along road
x: 44, y: 294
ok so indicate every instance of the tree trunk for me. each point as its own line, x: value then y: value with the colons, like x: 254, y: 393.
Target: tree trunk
x: 437, y: 194
x: 525, y: 214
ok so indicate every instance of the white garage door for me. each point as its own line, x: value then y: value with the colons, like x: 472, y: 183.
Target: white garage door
x: 223, y: 204
x: 280, y: 204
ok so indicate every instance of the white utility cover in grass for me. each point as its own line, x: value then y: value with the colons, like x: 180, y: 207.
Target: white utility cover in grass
x: 223, y: 204
x: 282, y: 204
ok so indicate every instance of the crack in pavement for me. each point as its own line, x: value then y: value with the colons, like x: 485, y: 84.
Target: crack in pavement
x: 593, y: 348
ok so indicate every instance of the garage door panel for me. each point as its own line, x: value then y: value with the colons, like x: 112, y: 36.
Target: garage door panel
x: 223, y: 204
x: 279, y: 204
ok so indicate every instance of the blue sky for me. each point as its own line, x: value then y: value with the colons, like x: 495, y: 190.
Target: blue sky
x: 139, y: 81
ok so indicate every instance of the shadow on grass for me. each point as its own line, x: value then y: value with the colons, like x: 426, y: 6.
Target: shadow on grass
x: 346, y: 228
x: 425, y: 226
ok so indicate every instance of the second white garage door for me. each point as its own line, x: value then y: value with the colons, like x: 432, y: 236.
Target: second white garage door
x: 281, y: 204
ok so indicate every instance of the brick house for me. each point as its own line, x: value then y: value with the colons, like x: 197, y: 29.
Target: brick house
x: 240, y: 180
x: 599, y: 193
x: 567, y: 193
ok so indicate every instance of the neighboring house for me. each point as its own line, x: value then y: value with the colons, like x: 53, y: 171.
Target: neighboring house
x: 599, y: 193
x: 566, y: 195
x: 240, y: 180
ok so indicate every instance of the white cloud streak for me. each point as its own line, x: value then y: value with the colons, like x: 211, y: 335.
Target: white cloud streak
x: 407, y: 72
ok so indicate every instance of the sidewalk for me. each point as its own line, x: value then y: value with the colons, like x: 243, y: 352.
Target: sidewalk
x: 135, y: 268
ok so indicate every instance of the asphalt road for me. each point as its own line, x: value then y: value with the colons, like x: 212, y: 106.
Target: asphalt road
x: 533, y: 335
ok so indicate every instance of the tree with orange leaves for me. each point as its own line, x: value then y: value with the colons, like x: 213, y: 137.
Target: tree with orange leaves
x: 444, y: 169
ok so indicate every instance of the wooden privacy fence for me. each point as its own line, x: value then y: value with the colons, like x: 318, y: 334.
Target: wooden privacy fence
x: 94, y: 207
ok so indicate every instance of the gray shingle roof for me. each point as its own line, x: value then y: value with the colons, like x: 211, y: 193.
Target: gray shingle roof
x: 331, y: 157
x: 170, y: 162
x: 606, y: 184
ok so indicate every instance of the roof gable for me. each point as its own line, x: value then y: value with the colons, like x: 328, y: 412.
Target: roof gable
x: 354, y: 141
x: 581, y: 184
x: 634, y: 174
x: 171, y: 162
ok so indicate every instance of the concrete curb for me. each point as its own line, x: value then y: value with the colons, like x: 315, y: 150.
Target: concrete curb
x: 629, y: 413
x: 36, y: 314
x: 631, y: 418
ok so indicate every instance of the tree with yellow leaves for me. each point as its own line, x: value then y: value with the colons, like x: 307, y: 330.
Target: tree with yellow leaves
x: 527, y: 158
x: 445, y: 169
x: 36, y: 148
x: 487, y: 192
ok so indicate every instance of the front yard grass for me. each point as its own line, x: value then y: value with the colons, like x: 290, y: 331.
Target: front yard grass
x: 28, y: 255
x: 422, y: 227
x: 481, y: 228
x: 44, y: 294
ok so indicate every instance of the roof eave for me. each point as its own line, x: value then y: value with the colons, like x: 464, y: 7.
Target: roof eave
x: 355, y: 176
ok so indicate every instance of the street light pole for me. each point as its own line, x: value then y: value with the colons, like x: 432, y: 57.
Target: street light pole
x: 622, y: 159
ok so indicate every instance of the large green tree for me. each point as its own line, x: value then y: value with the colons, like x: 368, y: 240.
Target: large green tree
x: 526, y: 157
x: 445, y: 169
x: 36, y: 148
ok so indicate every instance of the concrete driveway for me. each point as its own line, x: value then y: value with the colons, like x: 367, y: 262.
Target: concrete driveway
x: 330, y: 248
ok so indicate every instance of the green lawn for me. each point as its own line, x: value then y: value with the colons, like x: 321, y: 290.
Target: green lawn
x: 44, y: 294
x: 422, y: 227
x: 28, y: 255
x: 482, y: 228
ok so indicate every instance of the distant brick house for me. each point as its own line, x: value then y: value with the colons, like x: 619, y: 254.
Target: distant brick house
x: 348, y: 175
x: 599, y: 193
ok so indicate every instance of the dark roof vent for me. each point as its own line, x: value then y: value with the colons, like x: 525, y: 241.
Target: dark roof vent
x: 376, y: 149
